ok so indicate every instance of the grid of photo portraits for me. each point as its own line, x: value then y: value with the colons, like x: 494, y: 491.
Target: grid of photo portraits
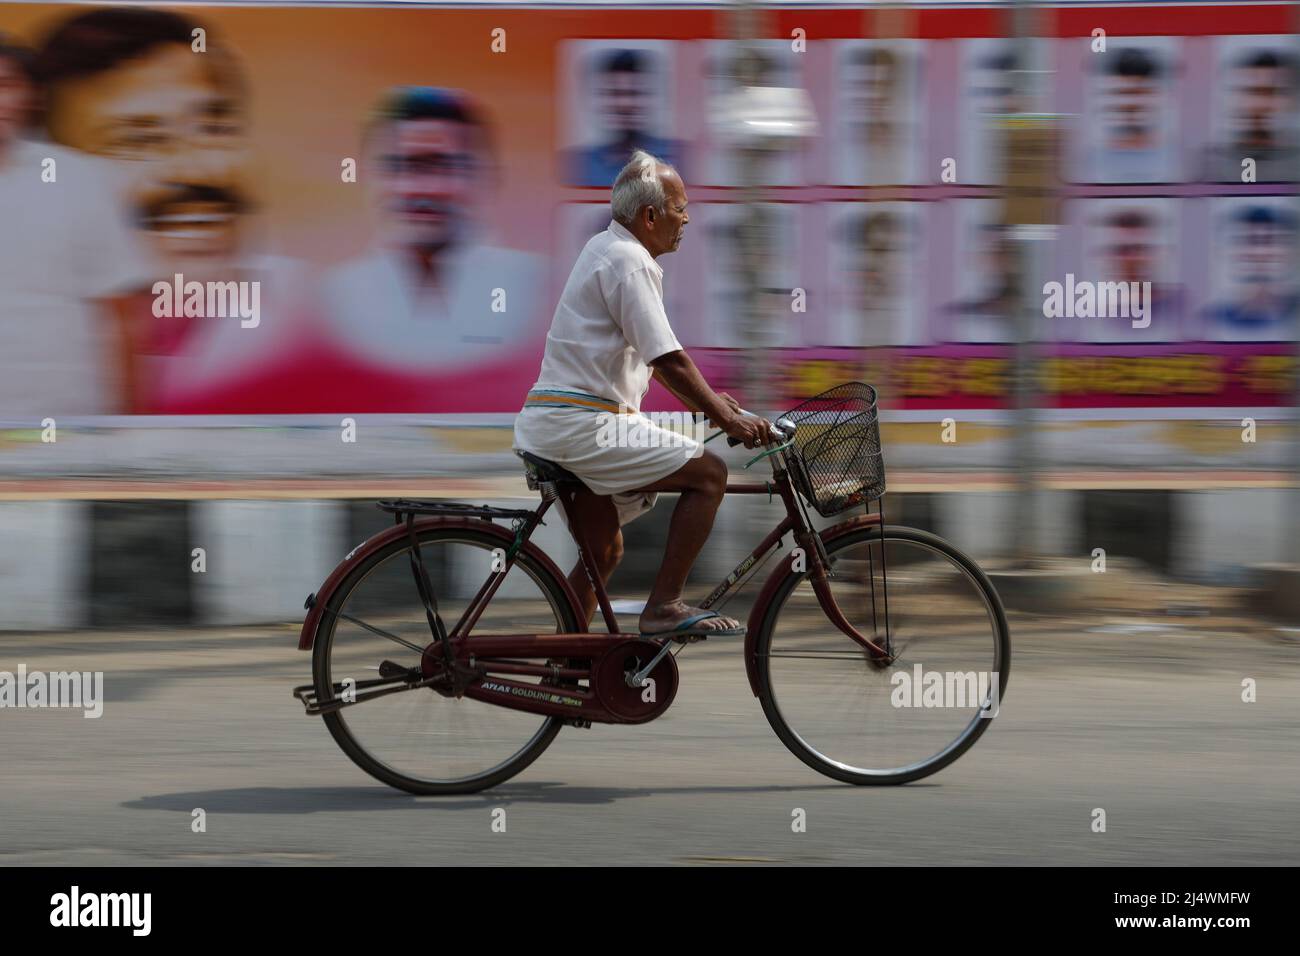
x: 1155, y: 188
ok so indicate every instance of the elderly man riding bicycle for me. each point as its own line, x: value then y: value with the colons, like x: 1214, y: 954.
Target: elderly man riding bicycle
x: 609, y: 337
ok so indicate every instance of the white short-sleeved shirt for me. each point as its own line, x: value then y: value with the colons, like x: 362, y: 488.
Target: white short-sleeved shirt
x: 63, y: 244
x: 610, y: 322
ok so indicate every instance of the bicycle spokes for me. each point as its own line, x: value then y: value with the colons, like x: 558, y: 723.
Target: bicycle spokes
x: 892, y: 718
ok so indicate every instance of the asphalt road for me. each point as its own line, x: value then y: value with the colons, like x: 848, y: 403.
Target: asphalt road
x: 1138, y: 714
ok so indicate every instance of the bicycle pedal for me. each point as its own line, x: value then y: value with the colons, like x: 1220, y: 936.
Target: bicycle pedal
x: 389, y: 670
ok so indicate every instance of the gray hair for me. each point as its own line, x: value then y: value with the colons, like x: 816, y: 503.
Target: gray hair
x: 637, y: 186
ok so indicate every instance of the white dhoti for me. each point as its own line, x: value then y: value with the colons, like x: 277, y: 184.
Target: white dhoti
x: 613, y: 454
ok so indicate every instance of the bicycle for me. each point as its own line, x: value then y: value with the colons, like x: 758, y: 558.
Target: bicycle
x: 840, y: 618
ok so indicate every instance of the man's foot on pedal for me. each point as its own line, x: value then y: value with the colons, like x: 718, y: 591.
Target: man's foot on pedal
x: 679, y: 620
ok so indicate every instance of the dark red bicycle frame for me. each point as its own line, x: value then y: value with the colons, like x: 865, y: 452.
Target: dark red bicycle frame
x: 478, y: 663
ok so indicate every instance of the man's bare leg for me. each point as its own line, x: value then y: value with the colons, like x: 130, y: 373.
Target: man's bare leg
x: 702, y: 483
x: 597, y: 518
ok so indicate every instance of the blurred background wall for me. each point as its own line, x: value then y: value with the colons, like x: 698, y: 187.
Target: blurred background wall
x: 405, y: 286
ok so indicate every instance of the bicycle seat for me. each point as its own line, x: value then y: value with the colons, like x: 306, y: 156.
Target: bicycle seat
x: 544, y: 470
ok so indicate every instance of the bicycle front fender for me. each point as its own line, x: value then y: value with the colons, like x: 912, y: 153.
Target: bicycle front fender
x: 772, y: 585
x: 319, y: 600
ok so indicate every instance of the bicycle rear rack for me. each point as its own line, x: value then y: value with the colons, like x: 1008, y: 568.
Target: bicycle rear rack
x: 404, y: 511
x: 407, y: 506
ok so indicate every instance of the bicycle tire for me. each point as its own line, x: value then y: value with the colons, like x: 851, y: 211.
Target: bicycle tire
x: 337, y: 724
x: 791, y: 738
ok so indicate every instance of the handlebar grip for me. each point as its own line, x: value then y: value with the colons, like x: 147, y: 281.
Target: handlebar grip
x: 782, y: 428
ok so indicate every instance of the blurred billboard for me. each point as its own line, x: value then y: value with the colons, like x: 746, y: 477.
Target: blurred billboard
x: 262, y: 210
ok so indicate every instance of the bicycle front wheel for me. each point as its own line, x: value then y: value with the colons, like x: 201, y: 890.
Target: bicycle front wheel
x: 866, y: 721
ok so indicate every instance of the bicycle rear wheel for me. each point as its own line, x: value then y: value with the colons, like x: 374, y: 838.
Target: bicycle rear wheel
x: 423, y: 741
x: 866, y: 722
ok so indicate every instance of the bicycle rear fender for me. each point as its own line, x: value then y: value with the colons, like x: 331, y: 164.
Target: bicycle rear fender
x: 321, y: 598
x: 773, y: 583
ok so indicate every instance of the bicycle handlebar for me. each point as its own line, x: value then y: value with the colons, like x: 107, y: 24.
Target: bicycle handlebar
x: 782, y: 428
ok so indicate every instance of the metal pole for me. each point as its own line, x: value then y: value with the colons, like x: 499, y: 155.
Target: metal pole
x: 1027, y: 210
x: 1292, y: 518
x: 746, y: 29
x: 739, y: 514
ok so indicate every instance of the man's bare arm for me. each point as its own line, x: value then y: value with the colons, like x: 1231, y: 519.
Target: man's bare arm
x: 658, y: 377
x: 677, y: 372
x: 731, y: 402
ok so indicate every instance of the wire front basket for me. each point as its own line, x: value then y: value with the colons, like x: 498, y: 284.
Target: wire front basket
x: 837, y: 448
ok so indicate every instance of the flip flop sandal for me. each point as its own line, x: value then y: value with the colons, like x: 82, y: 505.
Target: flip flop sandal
x: 687, y: 628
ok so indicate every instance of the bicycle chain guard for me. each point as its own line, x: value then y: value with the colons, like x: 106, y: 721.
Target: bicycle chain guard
x: 502, y: 670
x: 635, y: 705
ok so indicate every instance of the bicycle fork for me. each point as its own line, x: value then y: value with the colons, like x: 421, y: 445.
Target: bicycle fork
x: 821, y: 571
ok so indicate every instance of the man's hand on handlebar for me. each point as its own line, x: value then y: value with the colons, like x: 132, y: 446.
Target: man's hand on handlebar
x: 749, y: 430
x: 732, y: 408
x: 731, y: 403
